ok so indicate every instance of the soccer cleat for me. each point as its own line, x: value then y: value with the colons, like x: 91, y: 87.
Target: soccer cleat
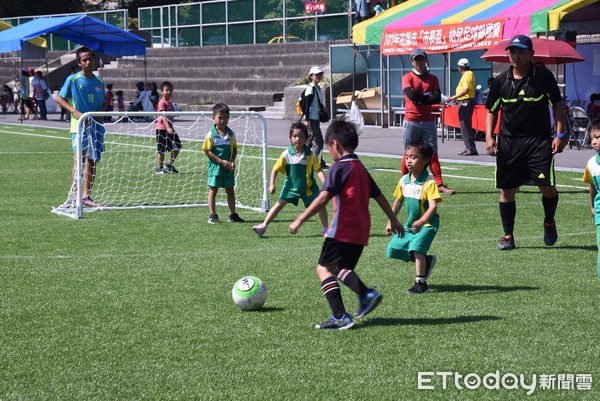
x: 418, y: 288
x: 87, y: 201
x: 213, y: 219
x: 159, y: 171
x: 367, y: 303
x: 260, y: 229
x: 430, y: 263
x: 169, y: 168
x: 550, y: 234
x: 235, y: 218
x: 506, y: 243
x: 444, y: 190
x: 332, y: 323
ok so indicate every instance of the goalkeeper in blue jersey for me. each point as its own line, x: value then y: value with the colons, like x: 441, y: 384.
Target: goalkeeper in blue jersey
x: 84, y: 92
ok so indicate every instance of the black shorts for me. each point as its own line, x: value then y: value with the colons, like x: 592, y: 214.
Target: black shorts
x: 166, y: 142
x: 524, y: 160
x: 341, y: 254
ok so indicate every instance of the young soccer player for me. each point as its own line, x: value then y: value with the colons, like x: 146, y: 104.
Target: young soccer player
x: 350, y: 186
x: 83, y: 92
x: 220, y: 146
x: 299, y: 165
x: 591, y: 175
x: 167, y: 139
x: 421, y: 196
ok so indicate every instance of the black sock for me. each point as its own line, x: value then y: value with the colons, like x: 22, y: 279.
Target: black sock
x: 333, y: 295
x: 508, y: 211
x: 351, y: 279
x: 550, y: 205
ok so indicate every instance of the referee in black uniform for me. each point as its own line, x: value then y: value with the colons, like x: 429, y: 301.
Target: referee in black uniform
x: 525, y: 147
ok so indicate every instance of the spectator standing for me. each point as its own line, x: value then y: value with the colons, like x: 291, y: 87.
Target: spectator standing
x: 422, y: 90
x: 465, y: 96
x: 311, y: 110
x: 40, y: 93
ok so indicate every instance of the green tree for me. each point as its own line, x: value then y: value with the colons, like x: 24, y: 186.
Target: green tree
x: 10, y: 9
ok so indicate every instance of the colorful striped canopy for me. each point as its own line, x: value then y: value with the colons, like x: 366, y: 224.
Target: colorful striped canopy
x: 518, y: 16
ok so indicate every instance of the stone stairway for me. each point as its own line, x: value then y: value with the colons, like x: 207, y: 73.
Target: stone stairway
x: 246, y: 77
x: 275, y: 112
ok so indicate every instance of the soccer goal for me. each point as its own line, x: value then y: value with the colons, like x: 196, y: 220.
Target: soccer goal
x: 126, y: 176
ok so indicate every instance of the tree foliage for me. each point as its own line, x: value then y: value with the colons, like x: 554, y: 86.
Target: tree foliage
x: 10, y: 9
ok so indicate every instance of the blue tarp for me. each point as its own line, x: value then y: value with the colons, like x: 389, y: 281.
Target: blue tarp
x: 91, y: 32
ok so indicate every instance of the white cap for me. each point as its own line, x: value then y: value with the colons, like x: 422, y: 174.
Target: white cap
x: 463, y: 62
x: 315, y: 70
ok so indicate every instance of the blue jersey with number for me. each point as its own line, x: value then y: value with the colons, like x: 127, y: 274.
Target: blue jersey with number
x: 83, y: 93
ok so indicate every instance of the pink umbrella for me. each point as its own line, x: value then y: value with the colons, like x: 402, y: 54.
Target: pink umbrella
x: 546, y: 51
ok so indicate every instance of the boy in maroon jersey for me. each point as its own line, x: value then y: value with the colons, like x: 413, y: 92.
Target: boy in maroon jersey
x: 350, y: 186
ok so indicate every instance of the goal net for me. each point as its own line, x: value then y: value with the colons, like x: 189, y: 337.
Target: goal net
x: 126, y: 176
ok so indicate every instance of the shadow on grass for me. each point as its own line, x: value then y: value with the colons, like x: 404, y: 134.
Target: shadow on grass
x: 592, y: 248
x: 380, y: 321
x: 266, y: 309
x: 492, y: 289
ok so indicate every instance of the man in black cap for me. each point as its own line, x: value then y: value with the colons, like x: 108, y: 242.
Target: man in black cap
x: 525, y: 147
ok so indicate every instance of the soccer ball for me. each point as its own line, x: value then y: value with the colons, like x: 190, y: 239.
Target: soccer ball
x: 249, y: 293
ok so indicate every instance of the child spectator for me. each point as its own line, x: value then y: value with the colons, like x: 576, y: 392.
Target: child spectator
x: 351, y: 186
x: 299, y: 165
x: 166, y: 137
x: 154, y: 96
x: 421, y: 195
x: 591, y: 175
x: 7, y: 98
x: 26, y: 101
x: 220, y: 146
x: 120, y: 101
x: 109, y: 98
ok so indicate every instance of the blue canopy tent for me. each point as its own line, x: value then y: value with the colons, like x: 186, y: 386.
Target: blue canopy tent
x: 91, y: 32
x: 97, y: 35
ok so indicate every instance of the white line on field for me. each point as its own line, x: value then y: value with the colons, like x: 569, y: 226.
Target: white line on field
x: 370, y: 154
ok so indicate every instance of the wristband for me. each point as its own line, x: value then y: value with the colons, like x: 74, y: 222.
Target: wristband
x: 562, y: 135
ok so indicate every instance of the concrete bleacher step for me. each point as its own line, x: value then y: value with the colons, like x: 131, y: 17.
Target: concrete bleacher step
x: 246, y: 76
x: 275, y: 112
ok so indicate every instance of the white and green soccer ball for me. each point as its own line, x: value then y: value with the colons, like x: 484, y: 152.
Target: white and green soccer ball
x: 249, y: 293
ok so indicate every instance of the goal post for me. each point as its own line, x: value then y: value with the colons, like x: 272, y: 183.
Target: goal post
x: 126, y: 170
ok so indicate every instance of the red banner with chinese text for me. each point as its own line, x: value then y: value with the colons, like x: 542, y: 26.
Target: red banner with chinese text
x: 315, y: 7
x: 443, y: 38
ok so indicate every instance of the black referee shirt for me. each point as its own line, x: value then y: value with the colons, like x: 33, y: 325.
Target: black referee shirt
x: 524, y: 102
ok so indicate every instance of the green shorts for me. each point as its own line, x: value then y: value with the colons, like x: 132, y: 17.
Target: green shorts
x: 403, y: 247
x: 221, y: 182
x: 293, y: 196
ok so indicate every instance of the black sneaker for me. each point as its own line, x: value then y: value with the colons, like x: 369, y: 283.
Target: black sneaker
x: 430, y: 263
x: 506, y: 243
x: 418, y: 288
x: 169, y: 168
x: 213, y: 219
x: 324, y: 165
x: 332, y: 323
x: 550, y: 234
x: 235, y: 218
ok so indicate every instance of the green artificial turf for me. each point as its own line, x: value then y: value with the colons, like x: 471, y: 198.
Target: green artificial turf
x: 136, y: 305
